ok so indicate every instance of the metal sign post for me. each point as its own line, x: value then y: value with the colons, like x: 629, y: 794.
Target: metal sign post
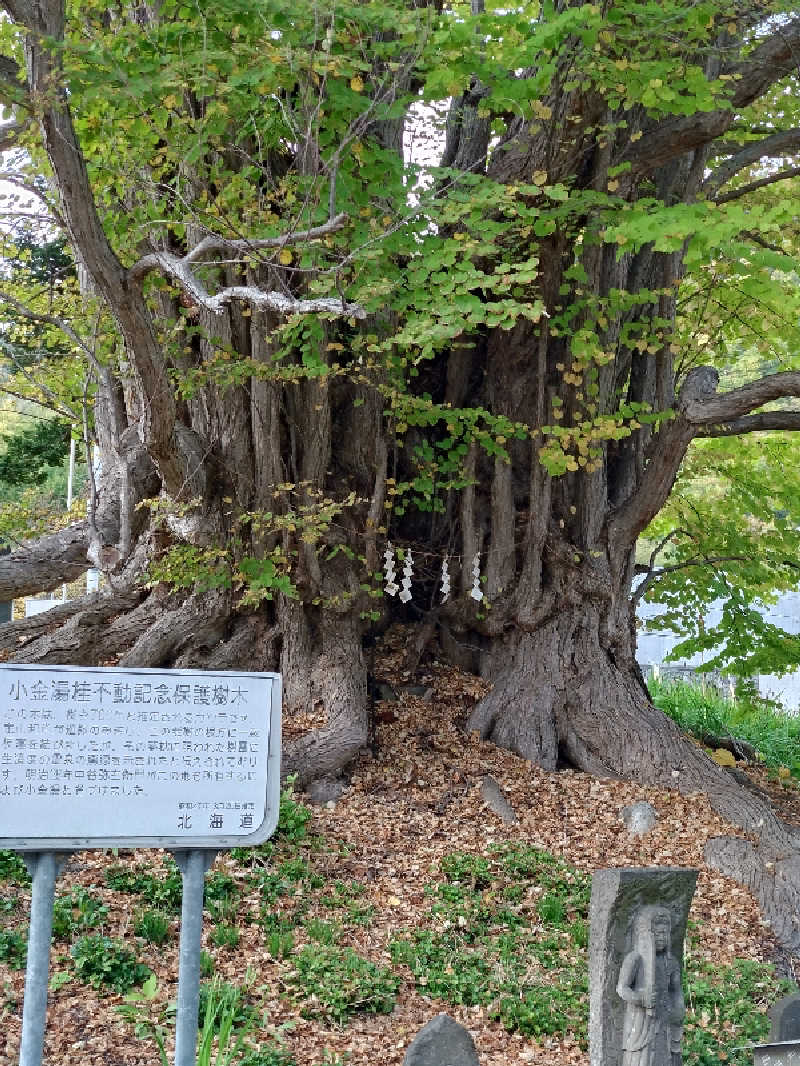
x: 186, y: 760
x: 44, y: 867
x: 193, y: 866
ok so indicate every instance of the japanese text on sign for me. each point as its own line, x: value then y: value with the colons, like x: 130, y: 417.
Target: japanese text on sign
x: 113, y: 753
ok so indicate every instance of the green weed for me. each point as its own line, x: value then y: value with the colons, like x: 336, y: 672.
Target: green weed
x: 771, y: 731
x: 506, y: 930
x: 12, y: 868
x: 152, y: 926
x: 224, y: 936
x: 335, y: 983
x: 163, y: 893
x: 292, y: 828
x: 105, y: 963
x: 76, y: 913
x: 727, y: 1011
x: 13, y: 949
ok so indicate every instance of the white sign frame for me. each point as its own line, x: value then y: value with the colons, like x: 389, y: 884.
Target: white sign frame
x: 189, y: 838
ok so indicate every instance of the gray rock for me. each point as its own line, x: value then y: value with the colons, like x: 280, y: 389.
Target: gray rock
x: 620, y: 899
x: 494, y: 798
x: 785, y: 1018
x: 325, y: 790
x: 639, y: 818
x: 442, y: 1042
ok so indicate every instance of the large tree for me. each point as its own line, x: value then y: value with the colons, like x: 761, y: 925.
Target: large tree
x: 305, y: 337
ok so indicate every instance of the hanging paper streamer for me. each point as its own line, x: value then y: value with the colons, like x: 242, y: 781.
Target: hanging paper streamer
x: 391, y: 588
x: 476, y: 592
x: 405, y: 591
x: 445, y: 582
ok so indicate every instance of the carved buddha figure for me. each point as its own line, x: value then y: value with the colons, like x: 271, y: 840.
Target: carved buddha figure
x: 650, y: 984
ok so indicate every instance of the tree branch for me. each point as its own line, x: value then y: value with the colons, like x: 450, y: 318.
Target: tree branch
x: 763, y: 422
x: 777, y: 144
x: 667, y: 450
x: 223, y: 246
x: 775, y: 58
x: 179, y: 271
x: 743, y: 190
x: 711, y: 409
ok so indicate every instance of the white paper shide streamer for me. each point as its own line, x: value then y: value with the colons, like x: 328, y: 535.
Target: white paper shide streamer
x: 391, y: 588
x: 405, y: 584
x: 476, y: 592
x: 445, y: 582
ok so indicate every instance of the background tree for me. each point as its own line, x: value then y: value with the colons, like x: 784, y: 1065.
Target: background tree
x: 302, y: 343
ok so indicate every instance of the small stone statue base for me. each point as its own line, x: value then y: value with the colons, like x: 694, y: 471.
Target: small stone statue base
x: 786, y: 1053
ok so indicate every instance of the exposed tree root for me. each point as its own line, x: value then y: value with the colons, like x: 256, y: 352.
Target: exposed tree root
x: 333, y: 682
x: 179, y: 635
x: 83, y: 637
x: 597, y: 716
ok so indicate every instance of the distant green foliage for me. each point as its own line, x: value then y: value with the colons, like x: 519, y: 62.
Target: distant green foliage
x: 105, y: 963
x: 30, y: 451
x: 772, y: 732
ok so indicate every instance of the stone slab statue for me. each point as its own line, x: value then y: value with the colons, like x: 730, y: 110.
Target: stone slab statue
x: 637, y: 927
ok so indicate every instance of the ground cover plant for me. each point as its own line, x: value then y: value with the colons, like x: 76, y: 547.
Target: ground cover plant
x: 700, y: 710
x: 354, y: 929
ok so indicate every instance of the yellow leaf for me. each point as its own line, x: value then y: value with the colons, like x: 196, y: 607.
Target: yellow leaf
x: 356, y: 84
x: 540, y: 177
x: 784, y: 771
x: 722, y: 757
x: 285, y: 257
x: 613, y: 185
x: 636, y: 136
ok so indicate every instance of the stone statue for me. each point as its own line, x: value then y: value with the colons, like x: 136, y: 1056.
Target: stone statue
x: 650, y: 984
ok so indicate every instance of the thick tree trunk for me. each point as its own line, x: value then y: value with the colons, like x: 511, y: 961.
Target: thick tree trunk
x: 569, y: 691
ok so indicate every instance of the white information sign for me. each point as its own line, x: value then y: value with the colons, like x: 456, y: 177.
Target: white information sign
x: 152, y: 758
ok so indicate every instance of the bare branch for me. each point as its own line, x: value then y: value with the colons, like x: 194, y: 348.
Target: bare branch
x: 743, y: 190
x: 223, y: 246
x: 775, y: 146
x: 764, y: 422
x: 179, y: 271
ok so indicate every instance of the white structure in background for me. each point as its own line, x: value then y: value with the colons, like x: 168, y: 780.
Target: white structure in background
x: 33, y: 606
x: 653, y: 646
